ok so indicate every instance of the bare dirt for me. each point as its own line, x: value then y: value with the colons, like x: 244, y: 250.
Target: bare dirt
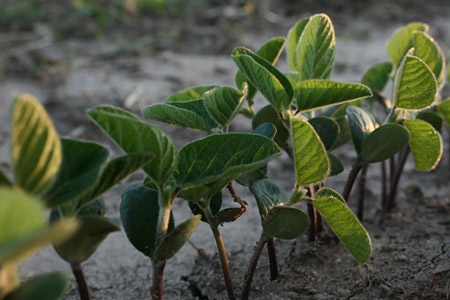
x: 411, y: 253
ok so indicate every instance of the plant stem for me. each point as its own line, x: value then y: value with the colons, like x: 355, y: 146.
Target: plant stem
x: 351, y: 179
x: 81, y: 281
x: 394, y: 184
x: 312, y: 214
x: 383, y: 184
x: 157, y: 280
x: 362, y: 189
x: 319, y: 226
x: 273, y: 264
x: 221, y: 250
x: 252, y: 266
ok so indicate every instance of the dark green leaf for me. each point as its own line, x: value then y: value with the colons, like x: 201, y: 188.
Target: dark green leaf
x: 336, y: 166
x: 81, y: 166
x: 444, y: 109
x: 173, y: 241
x: 275, y: 87
x: 197, y: 106
x: 268, y: 114
x: 268, y: 195
x: 139, y: 212
x: 222, y: 156
x: 190, y: 93
x: 425, y: 143
x: 317, y: 93
x: 285, y: 223
x: 314, y: 54
x: 345, y: 134
x: 266, y: 129
x: 384, y: 142
x: 51, y: 286
x: 377, y: 77
x: 292, y: 39
x: 134, y: 135
x: 361, y: 125
x: 310, y: 157
x: 3, y: 179
x: 346, y: 226
x: 35, y: 146
x: 327, y: 129
x: 432, y: 118
x: 223, y: 103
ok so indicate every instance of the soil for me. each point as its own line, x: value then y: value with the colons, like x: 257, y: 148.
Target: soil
x: 411, y: 252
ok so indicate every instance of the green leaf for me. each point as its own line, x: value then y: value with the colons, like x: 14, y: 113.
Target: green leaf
x: 134, y: 135
x: 314, y: 54
x: 222, y: 156
x: 346, y: 226
x: 401, y: 41
x: 270, y: 51
x: 285, y: 223
x: 115, y: 172
x: 361, y: 125
x: 51, y: 286
x: 444, y: 109
x: 93, y: 230
x: 197, y: 106
x: 268, y: 114
x: 4, y: 180
x: 173, y: 241
x: 432, y: 118
x: 319, y: 93
x: 336, y: 166
x: 190, y: 93
x: 35, y: 146
x: 215, y: 204
x: 415, y: 86
x: 377, y: 77
x: 425, y: 143
x: 310, y: 157
x: 139, y: 212
x: 426, y: 48
x: 268, y: 195
x: 293, y: 38
x: 327, y: 192
x: 81, y: 166
x: 345, y: 134
x: 384, y: 142
x: 275, y: 87
x: 223, y: 103
x: 173, y: 115
x: 327, y: 129
x: 266, y: 129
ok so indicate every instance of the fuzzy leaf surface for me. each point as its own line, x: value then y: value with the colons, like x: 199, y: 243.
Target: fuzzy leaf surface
x: 314, y: 54
x: 134, y: 135
x: 35, y: 146
x: 268, y: 195
x: 346, y: 226
x: 310, y: 157
x: 223, y: 103
x: 425, y: 143
x: 433, y: 118
x: 293, y: 38
x: 190, y: 93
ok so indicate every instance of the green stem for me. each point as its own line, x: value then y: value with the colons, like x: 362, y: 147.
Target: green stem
x: 362, y: 189
x: 312, y: 213
x: 351, y: 179
x: 81, y: 281
x: 252, y: 266
x: 157, y: 280
x: 221, y: 249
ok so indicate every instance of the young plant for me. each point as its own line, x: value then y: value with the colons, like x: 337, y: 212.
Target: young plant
x: 36, y: 156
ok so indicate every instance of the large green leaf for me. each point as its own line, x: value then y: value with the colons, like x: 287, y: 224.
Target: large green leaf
x: 173, y: 115
x: 314, y: 54
x: 285, y: 223
x: 310, y: 157
x: 377, y: 77
x: 190, y: 93
x: 415, y: 85
x: 51, y: 286
x: 275, y: 87
x: 197, y: 106
x: 270, y: 51
x: 401, y: 41
x: 174, y: 240
x: 81, y: 166
x: 346, y: 226
x: 426, y: 48
x: 35, y: 145
x: 139, y: 212
x: 115, y: 171
x: 425, y: 143
x: 268, y: 114
x: 293, y: 38
x: 444, y: 109
x: 317, y: 93
x: 327, y: 129
x: 268, y: 195
x: 134, y: 135
x: 361, y: 125
x: 223, y: 103
x: 384, y: 142
x: 222, y: 156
